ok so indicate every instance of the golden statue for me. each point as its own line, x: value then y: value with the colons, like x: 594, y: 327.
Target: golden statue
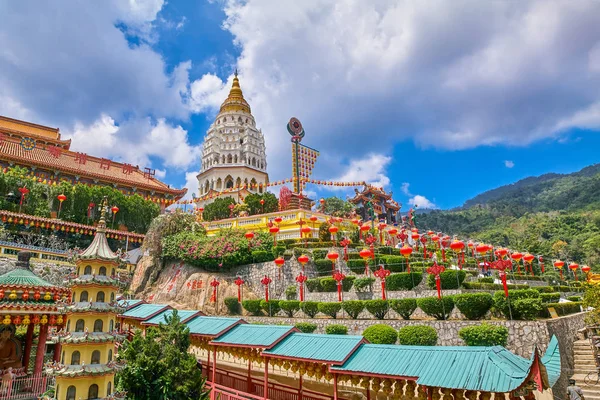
x: 10, y: 348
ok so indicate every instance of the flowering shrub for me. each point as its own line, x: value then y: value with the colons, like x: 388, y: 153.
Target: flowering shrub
x: 227, y: 249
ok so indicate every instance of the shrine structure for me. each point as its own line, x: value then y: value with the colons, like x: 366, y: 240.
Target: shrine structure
x: 87, y: 368
x: 41, y: 151
x: 26, y: 301
x: 375, y: 204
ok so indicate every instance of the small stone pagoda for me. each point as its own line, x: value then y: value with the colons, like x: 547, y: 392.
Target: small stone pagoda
x: 87, y: 367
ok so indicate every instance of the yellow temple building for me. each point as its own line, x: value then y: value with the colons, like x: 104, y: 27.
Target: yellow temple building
x: 87, y: 368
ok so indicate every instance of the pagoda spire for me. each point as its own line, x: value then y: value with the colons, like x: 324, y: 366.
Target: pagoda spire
x: 103, y: 210
x: 235, y: 101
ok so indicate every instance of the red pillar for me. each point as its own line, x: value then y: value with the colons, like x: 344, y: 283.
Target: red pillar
x: 208, y: 365
x: 249, y: 388
x: 28, y: 343
x: 57, y: 349
x: 266, y: 382
x: 300, y: 388
x: 214, y: 371
x: 39, y: 354
x: 335, y: 392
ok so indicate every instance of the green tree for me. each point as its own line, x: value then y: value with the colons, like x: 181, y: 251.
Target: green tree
x: 218, y: 209
x: 159, y: 367
x: 254, y: 206
x: 337, y: 207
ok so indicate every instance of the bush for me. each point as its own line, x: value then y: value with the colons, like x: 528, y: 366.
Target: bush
x: 501, y: 303
x: 328, y: 285
x: 233, y: 305
x: 363, y: 284
x: 474, y: 305
x: 290, y: 292
x: 395, y: 263
x: 484, y: 335
x: 388, y: 250
x: 320, y: 254
x: 358, y: 266
x: 323, y: 266
x: 271, y: 307
x: 417, y: 335
x: 310, y: 308
x: 528, y: 309
x: 252, y: 306
x: 289, y: 307
x: 336, y: 329
x: 437, y: 308
x: 403, y: 281
x: 487, y: 279
x: 306, y: 327
x: 353, y: 307
x: 404, y: 307
x: 380, y: 334
x: 330, y: 309
x: 450, y: 279
x: 313, y: 285
x: 377, y: 308
x: 550, y: 297
x: 575, y: 298
x: 563, y: 308
x: 544, y: 289
x: 278, y: 251
x: 348, y: 283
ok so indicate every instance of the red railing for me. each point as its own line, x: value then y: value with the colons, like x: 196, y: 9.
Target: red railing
x: 24, y: 387
x: 238, y: 383
x: 219, y: 392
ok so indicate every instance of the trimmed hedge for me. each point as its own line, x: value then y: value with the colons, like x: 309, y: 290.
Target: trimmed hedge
x: 417, y: 335
x: 403, y: 281
x: 550, y: 297
x: 450, y: 279
x: 353, y: 307
x: 491, y: 286
x: 252, y: 306
x: 363, y: 284
x: 358, y: 266
x: 575, y: 298
x: 347, y: 283
x: 320, y: 254
x: 306, y: 327
x: 323, y: 266
x: 502, y: 304
x: 278, y: 251
x: 438, y: 308
x: 328, y: 285
x: 259, y: 256
x: 562, y: 308
x: 377, y: 308
x: 484, y: 335
x: 233, y: 305
x: 313, y: 285
x: 336, y: 329
x: 310, y: 308
x: 474, y: 305
x: 487, y: 279
x: 290, y: 292
x: 380, y: 334
x: 528, y: 309
x: 271, y: 307
x: 543, y: 289
x: 330, y: 309
x: 404, y: 307
x: 289, y: 307
x: 395, y: 263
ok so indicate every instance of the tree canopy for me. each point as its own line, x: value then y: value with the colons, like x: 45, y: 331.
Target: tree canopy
x: 159, y: 367
x: 218, y: 209
x: 254, y: 206
x: 337, y: 207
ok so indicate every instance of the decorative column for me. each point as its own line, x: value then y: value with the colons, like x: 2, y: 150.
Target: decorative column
x: 41, y: 350
x: 28, y: 344
x: 57, y: 348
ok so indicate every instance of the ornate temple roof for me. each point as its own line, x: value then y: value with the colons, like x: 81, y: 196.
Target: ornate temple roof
x: 235, y: 101
x: 96, y: 306
x: 82, y: 370
x: 91, y: 337
x: 22, y: 277
x: 99, y: 248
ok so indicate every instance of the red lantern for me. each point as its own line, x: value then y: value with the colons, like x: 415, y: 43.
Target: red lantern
x: 273, y: 231
x: 52, y: 320
x: 502, y: 266
x: 528, y: 259
x: 305, y: 230
x: 17, y: 320
x: 573, y: 267
x: 301, y: 279
x: 363, y: 228
x: 303, y: 259
x: 333, y: 230
x: 61, y: 198
x: 517, y: 257
x: 382, y: 274
x: 239, y: 282
x: 333, y: 256
x: 278, y: 220
x: 559, y: 265
x: 37, y: 295
x: 586, y: 270
x: 279, y: 262
x: 365, y: 254
x: 436, y: 270
x: 406, y: 251
x: 339, y: 277
x: 23, y: 192
x: 249, y: 235
x: 25, y: 295
x: 36, y: 319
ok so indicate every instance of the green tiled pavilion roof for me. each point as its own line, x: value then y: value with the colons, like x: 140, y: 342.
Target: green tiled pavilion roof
x: 211, y: 326
x: 160, y: 318
x: 487, y: 369
x: 129, y: 303
x: 254, y: 335
x: 551, y: 361
x: 99, y: 248
x: 309, y: 346
x: 145, y: 311
x: 23, y: 277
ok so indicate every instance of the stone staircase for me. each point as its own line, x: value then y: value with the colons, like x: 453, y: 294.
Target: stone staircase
x: 584, y: 364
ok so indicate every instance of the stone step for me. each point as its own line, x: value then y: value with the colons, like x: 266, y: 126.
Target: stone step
x: 583, y: 358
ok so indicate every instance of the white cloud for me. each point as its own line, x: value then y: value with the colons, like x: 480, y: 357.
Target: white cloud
x: 207, y: 93
x: 405, y: 188
x: 422, y: 202
x: 191, y: 183
x: 370, y: 169
x: 509, y: 164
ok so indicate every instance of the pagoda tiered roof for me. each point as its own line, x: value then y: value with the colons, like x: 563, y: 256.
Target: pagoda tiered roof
x: 370, y: 193
x: 87, y: 280
x: 91, y: 337
x: 72, y: 371
x: 93, y: 306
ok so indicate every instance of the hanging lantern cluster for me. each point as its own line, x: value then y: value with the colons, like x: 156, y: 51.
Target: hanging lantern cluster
x: 26, y: 319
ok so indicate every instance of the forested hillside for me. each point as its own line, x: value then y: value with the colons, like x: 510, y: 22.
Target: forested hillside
x: 554, y: 215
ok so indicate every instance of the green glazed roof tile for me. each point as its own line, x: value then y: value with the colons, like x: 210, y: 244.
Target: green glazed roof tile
x: 23, y: 277
x: 145, y: 311
x: 129, y: 303
x: 160, y: 318
x: 309, y: 346
x: 551, y: 361
x: 254, y: 335
x: 488, y: 369
x: 211, y: 326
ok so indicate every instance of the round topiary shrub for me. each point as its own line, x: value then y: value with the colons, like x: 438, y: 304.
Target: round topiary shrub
x: 484, y: 335
x: 310, y: 308
x: 449, y: 279
x: 403, y: 281
x: 417, y: 335
x: 404, y: 307
x: 353, y: 307
x: 330, y: 309
x: 328, y: 284
x: 252, y: 306
x: 528, y: 309
x: 271, y: 307
x: 508, y: 306
x: 380, y: 334
x: 233, y: 305
x: 437, y: 308
x: 363, y: 284
x: 473, y: 305
x: 306, y: 327
x: 289, y: 307
x: 377, y: 308
x: 336, y: 329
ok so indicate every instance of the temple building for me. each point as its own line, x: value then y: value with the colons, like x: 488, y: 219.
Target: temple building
x: 87, y: 366
x: 27, y: 302
x: 234, y: 162
x: 374, y: 203
x: 41, y: 150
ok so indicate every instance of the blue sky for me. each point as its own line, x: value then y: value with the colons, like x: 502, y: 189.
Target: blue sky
x: 436, y: 101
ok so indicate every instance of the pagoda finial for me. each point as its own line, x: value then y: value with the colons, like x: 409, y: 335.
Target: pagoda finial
x: 103, y: 208
x: 235, y: 73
